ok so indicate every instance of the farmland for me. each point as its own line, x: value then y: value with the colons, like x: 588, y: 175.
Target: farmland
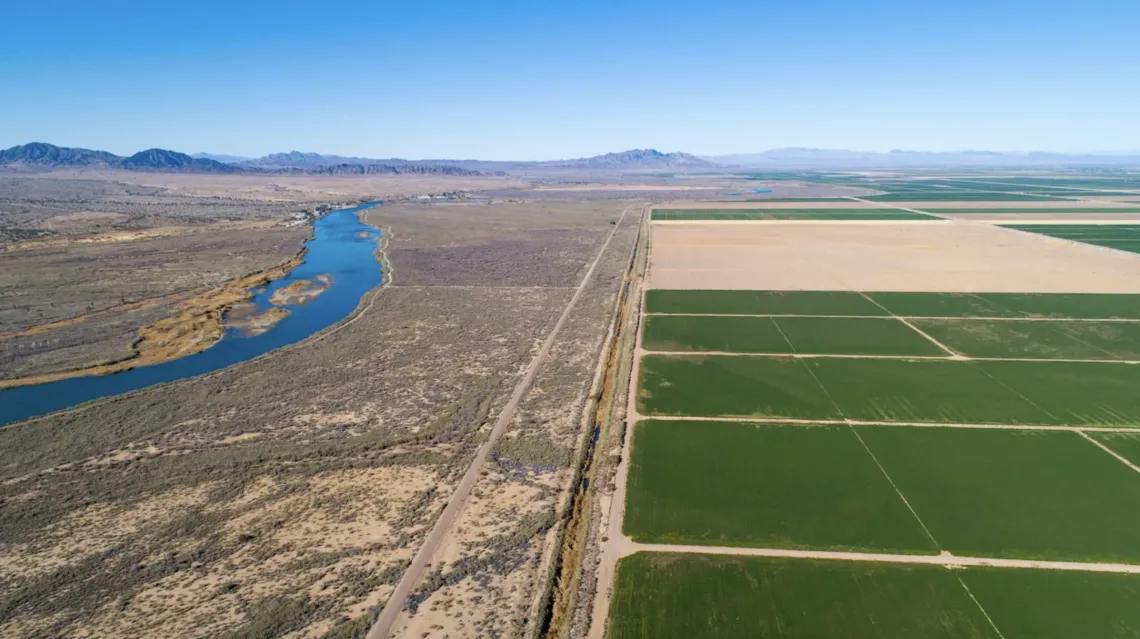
x: 730, y: 484
x: 891, y: 390
x: 827, y: 419
x: 805, y: 335
x: 671, y: 595
x: 663, y: 215
x: 1123, y: 237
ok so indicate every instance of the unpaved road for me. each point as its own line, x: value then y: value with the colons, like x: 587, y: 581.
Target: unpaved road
x: 399, y: 597
x: 944, y: 559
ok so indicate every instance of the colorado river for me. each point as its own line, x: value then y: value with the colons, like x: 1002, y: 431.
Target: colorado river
x: 343, y: 249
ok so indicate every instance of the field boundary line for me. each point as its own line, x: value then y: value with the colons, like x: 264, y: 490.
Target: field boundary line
x: 901, y: 208
x: 953, y: 354
x: 795, y: 421
x: 1018, y: 393
x: 867, y: 448
x: 1108, y: 450
x: 1093, y: 346
x: 980, y: 607
x: 797, y: 355
x: 940, y: 358
x: 946, y: 559
x: 382, y: 626
x: 979, y: 318
x: 887, y: 475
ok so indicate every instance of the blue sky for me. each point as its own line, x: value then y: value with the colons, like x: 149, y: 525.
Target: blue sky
x: 545, y: 80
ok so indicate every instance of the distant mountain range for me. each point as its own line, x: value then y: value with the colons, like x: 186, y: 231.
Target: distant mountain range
x: 41, y: 155
x: 791, y: 158
x: 38, y: 155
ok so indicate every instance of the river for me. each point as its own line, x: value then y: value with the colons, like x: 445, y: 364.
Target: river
x: 342, y: 247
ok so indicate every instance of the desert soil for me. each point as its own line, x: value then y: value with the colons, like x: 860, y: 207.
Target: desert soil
x: 930, y: 256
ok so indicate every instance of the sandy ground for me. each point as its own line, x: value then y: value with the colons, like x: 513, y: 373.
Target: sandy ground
x: 279, y: 187
x: 629, y: 187
x: 458, y: 501
x: 939, y: 257
x: 845, y: 204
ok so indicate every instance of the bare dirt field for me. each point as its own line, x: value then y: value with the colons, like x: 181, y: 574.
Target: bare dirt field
x: 956, y: 256
x: 760, y: 204
x: 285, y: 496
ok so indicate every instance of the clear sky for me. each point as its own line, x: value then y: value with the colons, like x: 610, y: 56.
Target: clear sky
x: 541, y: 79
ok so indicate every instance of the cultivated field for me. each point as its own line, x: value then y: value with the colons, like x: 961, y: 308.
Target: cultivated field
x: 883, y: 429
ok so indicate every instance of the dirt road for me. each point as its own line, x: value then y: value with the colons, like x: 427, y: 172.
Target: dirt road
x: 383, y: 626
x: 944, y: 559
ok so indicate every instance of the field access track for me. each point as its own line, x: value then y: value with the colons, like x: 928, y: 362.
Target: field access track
x: 873, y: 464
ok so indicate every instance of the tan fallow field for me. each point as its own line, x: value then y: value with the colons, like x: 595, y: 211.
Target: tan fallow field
x: 888, y: 256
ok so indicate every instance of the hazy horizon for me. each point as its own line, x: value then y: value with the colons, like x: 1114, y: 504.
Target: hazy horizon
x: 511, y: 81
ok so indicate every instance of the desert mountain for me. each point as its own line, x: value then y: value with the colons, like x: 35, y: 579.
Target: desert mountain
x: 39, y: 155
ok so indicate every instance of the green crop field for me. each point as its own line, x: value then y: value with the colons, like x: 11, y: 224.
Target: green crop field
x: 1127, y: 445
x: 761, y: 302
x: 665, y: 596
x: 908, y: 390
x: 940, y: 391
x: 708, y: 386
x: 1073, y: 393
x: 956, y: 196
x: 905, y: 304
x: 1057, y: 604
x: 1057, y: 305
x: 1013, y: 493
x: 787, y: 214
x: 737, y: 484
x: 941, y: 305
x: 739, y: 334
x: 1122, y: 237
x: 813, y: 335
x: 1039, y: 211
x: 1036, y: 339
x: 854, y: 336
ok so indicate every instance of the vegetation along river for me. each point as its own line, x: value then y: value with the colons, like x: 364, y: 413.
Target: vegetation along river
x: 341, y: 259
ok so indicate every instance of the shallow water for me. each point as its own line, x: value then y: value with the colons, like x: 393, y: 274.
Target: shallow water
x: 342, y: 247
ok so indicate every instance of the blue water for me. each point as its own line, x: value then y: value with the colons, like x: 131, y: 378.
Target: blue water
x: 342, y: 247
x: 761, y: 190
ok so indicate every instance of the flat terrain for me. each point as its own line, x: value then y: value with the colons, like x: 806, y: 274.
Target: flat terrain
x: 669, y: 595
x: 1122, y: 237
x: 737, y: 484
x: 955, y: 256
x: 664, y: 595
x: 902, y: 304
x: 1007, y: 493
x: 739, y: 213
x: 892, y: 390
x: 803, y: 335
x: 941, y: 414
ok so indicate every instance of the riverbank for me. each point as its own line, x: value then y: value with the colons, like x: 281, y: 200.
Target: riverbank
x: 197, y: 324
